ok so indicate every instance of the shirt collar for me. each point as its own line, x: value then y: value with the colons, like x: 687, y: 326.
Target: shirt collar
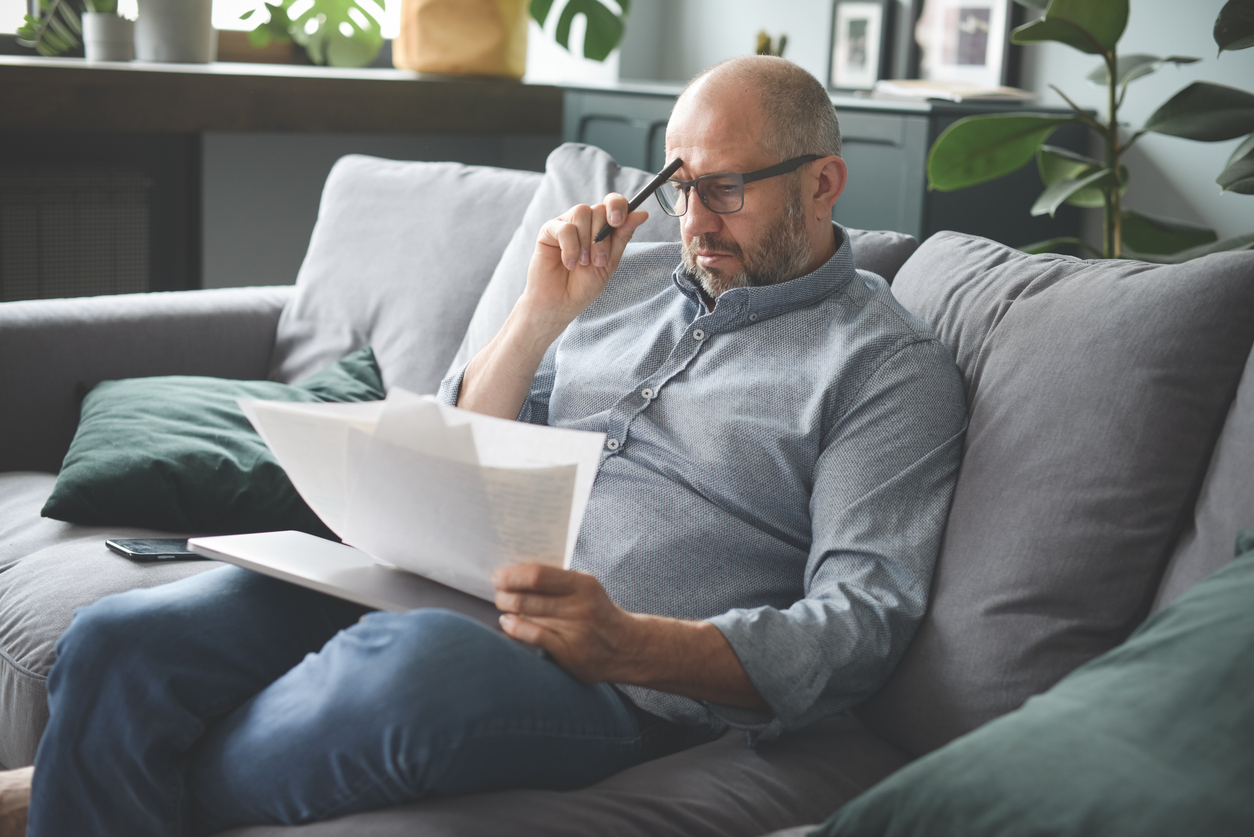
x: 769, y: 300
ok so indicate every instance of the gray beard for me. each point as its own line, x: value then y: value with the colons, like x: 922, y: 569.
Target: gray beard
x: 783, y: 253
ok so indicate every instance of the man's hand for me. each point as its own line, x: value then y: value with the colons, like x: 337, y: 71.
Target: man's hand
x: 569, y: 614
x: 567, y: 272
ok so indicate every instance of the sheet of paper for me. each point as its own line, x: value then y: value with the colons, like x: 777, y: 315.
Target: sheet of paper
x: 311, y: 443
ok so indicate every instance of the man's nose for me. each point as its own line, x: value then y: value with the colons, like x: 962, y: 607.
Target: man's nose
x: 699, y: 220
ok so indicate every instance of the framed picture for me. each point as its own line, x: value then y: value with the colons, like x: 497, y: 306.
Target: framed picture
x: 860, y: 43
x: 965, y: 40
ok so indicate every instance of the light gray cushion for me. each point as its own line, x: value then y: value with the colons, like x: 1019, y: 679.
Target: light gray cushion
x: 47, y: 570
x: 573, y: 174
x: 720, y: 789
x: 1225, y: 505
x: 576, y: 174
x: 398, y: 259
x: 1096, y: 391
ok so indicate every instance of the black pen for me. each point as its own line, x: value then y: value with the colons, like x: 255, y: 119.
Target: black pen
x: 643, y: 195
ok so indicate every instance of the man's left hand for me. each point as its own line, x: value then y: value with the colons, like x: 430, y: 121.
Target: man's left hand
x: 568, y: 614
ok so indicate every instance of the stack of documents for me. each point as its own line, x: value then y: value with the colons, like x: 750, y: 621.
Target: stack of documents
x: 951, y: 91
x: 446, y: 493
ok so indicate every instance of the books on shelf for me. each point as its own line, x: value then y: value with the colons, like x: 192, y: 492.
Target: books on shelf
x: 950, y: 91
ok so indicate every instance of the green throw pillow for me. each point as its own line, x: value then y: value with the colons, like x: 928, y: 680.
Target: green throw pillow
x: 177, y: 453
x: 1155, y: 737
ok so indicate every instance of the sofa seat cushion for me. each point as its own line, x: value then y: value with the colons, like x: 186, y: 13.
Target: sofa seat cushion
x: 1149, y: 740
x: 48, y: 569
x: 719, y: 789
x: 1096, y: 391
x: 398, y: 259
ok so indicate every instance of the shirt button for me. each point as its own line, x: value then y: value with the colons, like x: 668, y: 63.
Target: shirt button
x: 612, y: 444
x: 698, y: 334
x: 646, y: 393
x: 753, y: 318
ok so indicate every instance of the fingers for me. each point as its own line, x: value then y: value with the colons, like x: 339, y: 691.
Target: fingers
x: 526, y: 631
x: 622, y: 235
x: 537, y: 578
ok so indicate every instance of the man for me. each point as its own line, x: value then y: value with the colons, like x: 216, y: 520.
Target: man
x: 782, y: 442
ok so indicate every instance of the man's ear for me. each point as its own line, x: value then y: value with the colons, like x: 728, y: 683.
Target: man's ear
x: 831, y: 182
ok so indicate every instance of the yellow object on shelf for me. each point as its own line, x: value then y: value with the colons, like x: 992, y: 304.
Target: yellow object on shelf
x: 463, y: 37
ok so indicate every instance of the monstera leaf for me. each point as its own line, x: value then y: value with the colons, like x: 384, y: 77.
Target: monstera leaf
x: 342, y: 33
x: 604, y: 30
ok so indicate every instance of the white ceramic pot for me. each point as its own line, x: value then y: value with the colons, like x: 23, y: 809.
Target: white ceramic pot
x: 107, y: 37
x: 179, y: 31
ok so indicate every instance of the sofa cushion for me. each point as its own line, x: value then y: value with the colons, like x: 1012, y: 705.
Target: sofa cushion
x: 575, y: 174
x: 1095, y: 390
x: 177, y: 452
x: 47, y: 570
x: 1226, y: 502
x: 1149, y: 740
x: 719, y: 789
x: 399, y: 256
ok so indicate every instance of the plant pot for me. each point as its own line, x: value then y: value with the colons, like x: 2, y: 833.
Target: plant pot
x: 107, y: 37
x: 463, y: 37
x: 178, y: 31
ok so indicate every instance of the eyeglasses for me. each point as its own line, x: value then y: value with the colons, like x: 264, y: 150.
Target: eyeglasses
x: 721, y: 193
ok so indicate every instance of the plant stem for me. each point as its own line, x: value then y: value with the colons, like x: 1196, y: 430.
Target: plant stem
x: 1113, y: 202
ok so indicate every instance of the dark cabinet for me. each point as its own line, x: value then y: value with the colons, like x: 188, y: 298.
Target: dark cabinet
x: 885, y: 146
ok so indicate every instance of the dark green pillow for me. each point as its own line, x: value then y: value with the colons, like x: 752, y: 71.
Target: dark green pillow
x: 176, y: 453
x: 1155, y: 737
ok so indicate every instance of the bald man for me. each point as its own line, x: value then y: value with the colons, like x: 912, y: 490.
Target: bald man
x: 782, y: 443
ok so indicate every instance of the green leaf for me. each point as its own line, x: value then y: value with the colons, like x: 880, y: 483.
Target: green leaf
x: 1092, y: 26
x: 1136, y: 65
x: 1060, y: 190
x: 540, y: 10
x: 1052, y: 245
x: 1238, y: 173
x: 327, y: 44
x: 1161, y: 236
x: 1056, y: 164
x: 246, y: 15
x: 1237, y: 242
x: 981, y: 148
x: 604, y: 31
x: 1205, y: 112
x: 1234, y: 28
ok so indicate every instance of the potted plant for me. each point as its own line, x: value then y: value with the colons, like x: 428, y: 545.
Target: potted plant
x: 57, y: 25
x: 342, y: 33
x: 981, y: 148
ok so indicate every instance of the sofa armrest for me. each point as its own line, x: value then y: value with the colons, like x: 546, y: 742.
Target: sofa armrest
x: 52, y: 351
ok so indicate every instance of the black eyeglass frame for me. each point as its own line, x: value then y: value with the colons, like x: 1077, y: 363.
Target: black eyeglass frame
x: 747, y: 177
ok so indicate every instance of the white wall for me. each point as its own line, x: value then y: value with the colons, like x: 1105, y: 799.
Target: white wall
x: 1170, y: 176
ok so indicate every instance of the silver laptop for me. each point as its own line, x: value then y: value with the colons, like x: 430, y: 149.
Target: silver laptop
x: 339, y: 570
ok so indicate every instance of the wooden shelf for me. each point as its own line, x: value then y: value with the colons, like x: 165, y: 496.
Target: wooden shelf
x: 71, y: 94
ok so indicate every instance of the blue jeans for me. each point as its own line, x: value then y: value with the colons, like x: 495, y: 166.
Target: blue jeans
x: 231, y: 698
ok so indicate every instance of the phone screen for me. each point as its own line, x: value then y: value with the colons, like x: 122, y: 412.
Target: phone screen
x: 152, y: 549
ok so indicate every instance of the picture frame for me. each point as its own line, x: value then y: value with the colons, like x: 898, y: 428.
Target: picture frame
x: 964, y: 40
x: 860, y: 43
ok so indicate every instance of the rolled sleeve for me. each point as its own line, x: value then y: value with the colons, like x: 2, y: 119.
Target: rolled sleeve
x: 882, y: 487
x: 535, y: 408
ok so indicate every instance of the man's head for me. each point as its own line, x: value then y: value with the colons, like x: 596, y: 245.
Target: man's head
x: 740, y: 116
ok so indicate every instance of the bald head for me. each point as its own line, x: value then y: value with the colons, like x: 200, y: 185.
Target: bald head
x: 782, y: 105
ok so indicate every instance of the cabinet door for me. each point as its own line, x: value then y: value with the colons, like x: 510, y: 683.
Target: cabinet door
x: 629, y: 127
x: 885, y: 156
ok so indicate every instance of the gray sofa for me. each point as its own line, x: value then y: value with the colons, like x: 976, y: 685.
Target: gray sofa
x: 1109, y: 465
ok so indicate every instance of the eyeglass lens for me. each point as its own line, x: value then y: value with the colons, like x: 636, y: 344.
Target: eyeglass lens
x: 722, y: 194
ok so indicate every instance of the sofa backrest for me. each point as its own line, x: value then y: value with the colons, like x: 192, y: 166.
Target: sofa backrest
x: 399, y: 257
x: 1096, y: 392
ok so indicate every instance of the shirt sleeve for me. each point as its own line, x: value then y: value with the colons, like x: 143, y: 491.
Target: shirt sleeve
x: 535, y: 408
x: 881, y: 492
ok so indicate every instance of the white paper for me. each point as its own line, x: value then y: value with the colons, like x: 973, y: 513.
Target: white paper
x: 446, y: 493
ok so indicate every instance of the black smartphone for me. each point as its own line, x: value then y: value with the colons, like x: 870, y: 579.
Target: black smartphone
x: 153, y: 549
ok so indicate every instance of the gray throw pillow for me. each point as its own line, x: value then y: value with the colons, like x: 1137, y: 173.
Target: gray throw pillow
x: 398, y: 259
x: 1096, y: 390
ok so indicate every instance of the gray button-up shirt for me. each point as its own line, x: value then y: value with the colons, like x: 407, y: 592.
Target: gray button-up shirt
x: 781, y: 466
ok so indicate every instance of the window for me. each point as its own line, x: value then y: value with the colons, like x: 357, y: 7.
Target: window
x: 11, y: 12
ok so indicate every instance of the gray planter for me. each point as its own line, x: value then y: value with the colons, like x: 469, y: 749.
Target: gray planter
x: 107, y: 37
x: 179, y: 31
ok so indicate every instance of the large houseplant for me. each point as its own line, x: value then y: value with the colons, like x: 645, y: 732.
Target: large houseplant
x: 57, y: 25
x: 981, y: 148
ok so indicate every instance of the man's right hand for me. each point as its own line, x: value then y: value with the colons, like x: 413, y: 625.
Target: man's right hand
x: 568, y: 271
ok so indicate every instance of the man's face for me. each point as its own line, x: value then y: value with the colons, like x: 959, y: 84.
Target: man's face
x: 766, y: 242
